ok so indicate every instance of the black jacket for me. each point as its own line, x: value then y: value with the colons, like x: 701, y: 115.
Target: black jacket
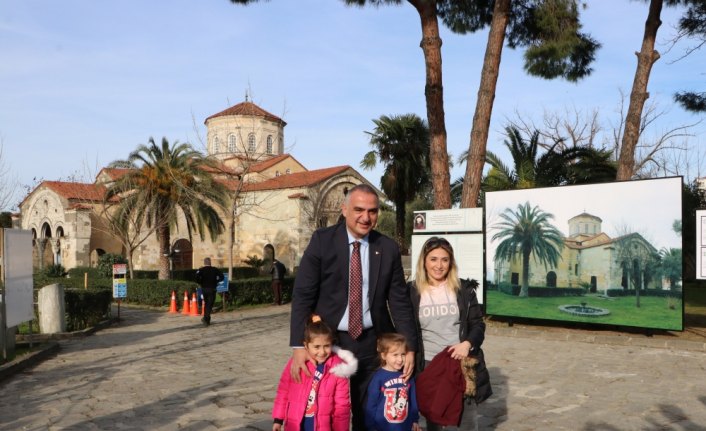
x: 321, y: 285
x: 471, y: 328
x: 278, y: 270
x: 208, y: 277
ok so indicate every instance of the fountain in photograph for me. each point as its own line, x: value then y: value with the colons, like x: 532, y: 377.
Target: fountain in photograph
x: 584, y: 310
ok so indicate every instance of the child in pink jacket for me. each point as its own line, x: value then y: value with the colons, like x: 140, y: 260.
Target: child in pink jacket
x: 321, y: 402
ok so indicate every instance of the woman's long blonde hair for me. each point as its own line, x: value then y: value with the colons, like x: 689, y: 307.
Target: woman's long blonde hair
x: 421, y: 280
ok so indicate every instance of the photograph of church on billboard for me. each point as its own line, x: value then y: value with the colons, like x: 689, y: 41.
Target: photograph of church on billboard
x: 606, y: 254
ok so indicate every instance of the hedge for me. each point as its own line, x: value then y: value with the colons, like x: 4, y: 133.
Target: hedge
x: 86, y: 308
x: 541, y: 292
x: 157, y: 293
x: 258, y: 291
x: 645, y: 292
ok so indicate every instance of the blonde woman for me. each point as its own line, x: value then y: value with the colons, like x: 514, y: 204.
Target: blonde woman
x: 449, y: 318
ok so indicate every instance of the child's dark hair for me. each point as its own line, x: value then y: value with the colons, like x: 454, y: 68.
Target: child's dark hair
x: 316, y: 327
x: 389, y: 340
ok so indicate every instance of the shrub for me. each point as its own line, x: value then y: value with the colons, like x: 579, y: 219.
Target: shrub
x: 157, y: 293
x: 54, y: 271
x: 258, y: 291
x: 86, y: 307
x: 145, y: 274
x: 106, y: 262
x: 92, y: 272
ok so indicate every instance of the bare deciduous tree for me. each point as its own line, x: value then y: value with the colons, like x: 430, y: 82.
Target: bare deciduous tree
x: 8, y: 183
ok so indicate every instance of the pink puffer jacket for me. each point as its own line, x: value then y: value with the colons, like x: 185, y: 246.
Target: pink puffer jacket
x: 333, y: 397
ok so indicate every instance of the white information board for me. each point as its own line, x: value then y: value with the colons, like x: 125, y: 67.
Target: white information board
x: 701, y: 244
x: 462, y: 228
x: 17, y: 266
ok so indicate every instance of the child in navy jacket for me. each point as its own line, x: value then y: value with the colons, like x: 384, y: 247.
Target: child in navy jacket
x: 392, y: 402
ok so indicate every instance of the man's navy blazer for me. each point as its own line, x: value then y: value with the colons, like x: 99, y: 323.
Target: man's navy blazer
x: 321, y: 285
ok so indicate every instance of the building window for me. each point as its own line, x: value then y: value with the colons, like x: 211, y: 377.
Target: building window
x: 215, y: 149
x: 269, y: 144
x: 251, y: 143
x: 231, y: 143
x: 289, y: 171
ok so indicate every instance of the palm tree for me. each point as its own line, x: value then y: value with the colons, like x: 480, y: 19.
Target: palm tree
x: 168, y: 181
x: 555, y: 167
x: 401, y: 143
x: 528, y: 231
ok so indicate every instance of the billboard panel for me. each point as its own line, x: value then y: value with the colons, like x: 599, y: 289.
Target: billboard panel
x: 17, y: 264
x: 603, y: 253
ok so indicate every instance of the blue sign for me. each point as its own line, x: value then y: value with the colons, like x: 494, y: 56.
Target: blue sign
x: 223, y: 285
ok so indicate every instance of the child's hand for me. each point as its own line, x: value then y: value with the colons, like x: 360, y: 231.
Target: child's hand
x: 415, y: 427
x: 278, y: 427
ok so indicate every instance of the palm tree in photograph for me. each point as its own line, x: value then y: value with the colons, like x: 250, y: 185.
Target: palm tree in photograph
x: 167, y: 182
x: 401, y: 143
x: 557, y: 166
x: 528, y: 232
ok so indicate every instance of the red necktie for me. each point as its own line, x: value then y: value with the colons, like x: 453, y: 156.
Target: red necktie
x: 355, y: 292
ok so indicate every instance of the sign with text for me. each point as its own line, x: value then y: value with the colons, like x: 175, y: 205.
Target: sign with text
x: 462, y: 228
x: 119, y: 280
x: 452, y: 220
x: 223, y: 285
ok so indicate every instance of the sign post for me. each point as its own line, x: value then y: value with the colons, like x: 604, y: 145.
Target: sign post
x: 119, y: 283
x: 222, y: 287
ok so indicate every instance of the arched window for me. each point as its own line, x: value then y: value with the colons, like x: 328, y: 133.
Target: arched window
x: 251, y: 143
x: 215, y: 149
x: 269, y: 144
x: 231, y: 143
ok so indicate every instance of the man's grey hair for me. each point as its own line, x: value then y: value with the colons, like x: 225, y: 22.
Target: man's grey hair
x: 363, y: 188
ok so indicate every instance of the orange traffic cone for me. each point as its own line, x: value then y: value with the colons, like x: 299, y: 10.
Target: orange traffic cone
x: 194, y: 306
x: 203, y: 306
x: 173, y: 305
x: 185, y: 309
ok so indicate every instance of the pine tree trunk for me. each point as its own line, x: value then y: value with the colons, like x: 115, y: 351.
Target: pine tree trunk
x: 434, y: 93
x: 484, y: 104
x: 645, y: 59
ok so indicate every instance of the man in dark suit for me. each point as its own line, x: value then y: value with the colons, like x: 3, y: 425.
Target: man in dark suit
x: 322, y: 287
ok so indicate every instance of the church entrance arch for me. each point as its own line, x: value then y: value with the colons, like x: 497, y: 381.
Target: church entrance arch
x: 183, y: 254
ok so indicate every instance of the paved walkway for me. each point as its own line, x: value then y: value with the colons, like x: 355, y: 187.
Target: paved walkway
x: 157, y: 371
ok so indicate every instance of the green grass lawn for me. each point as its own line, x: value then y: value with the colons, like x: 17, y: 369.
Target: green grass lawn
x: 653, y: 312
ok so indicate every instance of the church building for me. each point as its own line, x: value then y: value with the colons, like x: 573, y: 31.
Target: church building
x: 592, y: 259
x: 279, y: 203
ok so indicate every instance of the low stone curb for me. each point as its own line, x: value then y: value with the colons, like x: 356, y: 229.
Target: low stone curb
x: 658, y: 342
x: 38, y: 338
x: 30, y: 359
x: 49, y: 346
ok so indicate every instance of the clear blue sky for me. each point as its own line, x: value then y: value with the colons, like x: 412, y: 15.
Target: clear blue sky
x: 84, y: 82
